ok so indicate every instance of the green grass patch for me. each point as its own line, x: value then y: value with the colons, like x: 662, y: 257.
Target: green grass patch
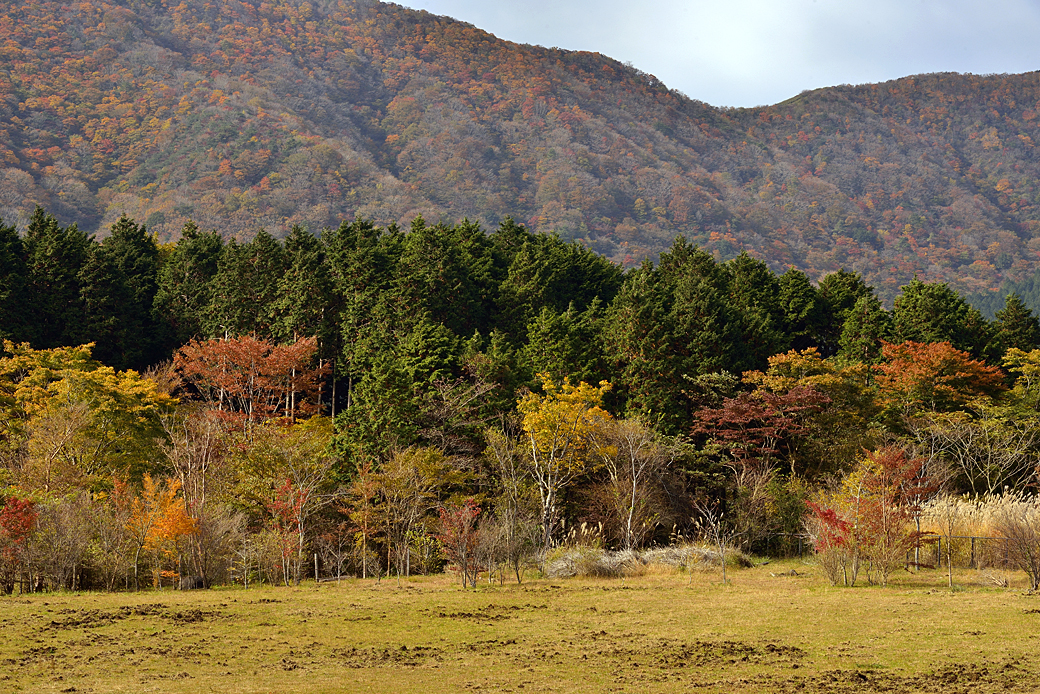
x: 776, y: 627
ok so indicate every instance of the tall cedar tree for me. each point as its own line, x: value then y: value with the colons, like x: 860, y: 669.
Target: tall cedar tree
x: 839, y: 291
x: 1016, y: 326
x: 867, y: 326
x: 245, y: 288
x: 754, y: 293
x: 55, y: 255
x: 14, y: 321
x: 932, y: 312
x: 184, y: 284
x: 805, y: 313
x: 117, y: 289
x: 667, y: 324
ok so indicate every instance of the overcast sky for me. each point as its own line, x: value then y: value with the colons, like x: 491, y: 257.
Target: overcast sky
x: 755, y: 52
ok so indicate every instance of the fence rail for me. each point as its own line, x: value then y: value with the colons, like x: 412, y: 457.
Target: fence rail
x: 932, y: 551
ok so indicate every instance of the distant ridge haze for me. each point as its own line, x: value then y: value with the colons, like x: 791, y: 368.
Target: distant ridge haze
x: 242, y: 116
x: 753, y: 52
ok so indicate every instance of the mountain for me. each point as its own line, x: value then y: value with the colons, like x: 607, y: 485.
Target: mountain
x: 249, y: 115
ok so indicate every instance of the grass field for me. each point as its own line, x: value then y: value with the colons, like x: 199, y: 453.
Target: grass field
x: 768, y: 631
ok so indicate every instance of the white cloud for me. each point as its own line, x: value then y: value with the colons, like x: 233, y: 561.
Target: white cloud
x: 750, y: 52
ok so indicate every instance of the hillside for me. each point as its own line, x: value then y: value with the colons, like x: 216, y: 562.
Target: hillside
x: 249, y: 115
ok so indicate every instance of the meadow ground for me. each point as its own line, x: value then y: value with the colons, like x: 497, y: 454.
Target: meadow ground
x: 776, y: 628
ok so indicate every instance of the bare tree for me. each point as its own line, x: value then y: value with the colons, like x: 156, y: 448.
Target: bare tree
x: 716, y: 530
x: 945, y: 512
x: 634, y: 456
x: 195, y: 449
x: 991, y: 451
x: 515, y: 507
x: 59, y: 547
x: 410, y: 485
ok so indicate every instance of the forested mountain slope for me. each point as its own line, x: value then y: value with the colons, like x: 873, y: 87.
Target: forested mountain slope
x: 249, y: 115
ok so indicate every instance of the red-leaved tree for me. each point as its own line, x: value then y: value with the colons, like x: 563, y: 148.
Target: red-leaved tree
x: 755, y: 428
x: 458, y: 536
x: 868, y: 518
x: 288, y: 511
x: 17, y: 518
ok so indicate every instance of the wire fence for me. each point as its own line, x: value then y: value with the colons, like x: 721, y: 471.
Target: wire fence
x: 932, y: 551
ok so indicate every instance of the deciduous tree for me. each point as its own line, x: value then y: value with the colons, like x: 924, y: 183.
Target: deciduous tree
x: 932, y: 377
x: 562, y: 427
x: 249, y: 381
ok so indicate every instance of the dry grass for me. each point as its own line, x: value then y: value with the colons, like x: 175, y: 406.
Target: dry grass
x: 777, y: 627
x: 593, y: 562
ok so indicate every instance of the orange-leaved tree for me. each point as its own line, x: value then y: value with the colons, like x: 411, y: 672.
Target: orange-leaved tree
x: 932, y: 377
x: 249, y: 381
x: 157, y: 521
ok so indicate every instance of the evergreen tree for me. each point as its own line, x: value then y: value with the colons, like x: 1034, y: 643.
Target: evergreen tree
x: 55, y: 255
x: 867, y: 324
x: 245, y: 288
x: 118, y: 288
x: 304, y: 297
x: 566, y: 345
x: 1016, y: 326
x: 754, y: 293
x: 546, y: 272
x: 14, y: 323
x: 805, y: 314
x: 185, y: 279
x: 446, y: 272
x: 932, y: 312
x: 362, y: 261
x: 669, y: 324
x: 839, y: 292
x: 386, y: 402
x: 506, y: 242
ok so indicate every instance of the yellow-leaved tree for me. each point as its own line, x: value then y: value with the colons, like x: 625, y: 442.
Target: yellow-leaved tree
x: 562, y: 426
x: 67, y: 421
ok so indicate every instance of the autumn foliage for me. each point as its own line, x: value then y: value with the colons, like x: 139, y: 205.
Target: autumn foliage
x: 933, y: 377
x: 17, y: 517
x: 457, y: 533
x: 866, y: 521
x: 279, y: 113
x: 249, y: 381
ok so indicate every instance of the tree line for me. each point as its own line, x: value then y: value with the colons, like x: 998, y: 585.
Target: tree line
x: 385, y: 399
